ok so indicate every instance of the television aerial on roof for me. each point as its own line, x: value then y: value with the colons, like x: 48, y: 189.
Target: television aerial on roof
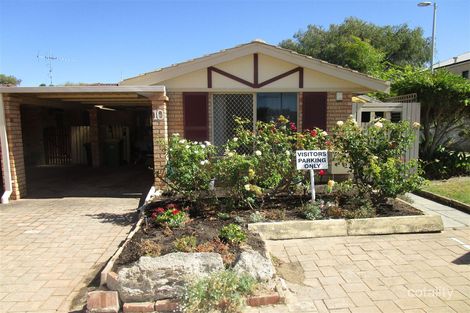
x: 49, y: 59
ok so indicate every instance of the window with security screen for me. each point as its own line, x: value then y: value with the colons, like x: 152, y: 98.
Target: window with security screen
x: 225, y: 108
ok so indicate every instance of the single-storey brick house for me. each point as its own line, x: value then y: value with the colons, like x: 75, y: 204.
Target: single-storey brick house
x: 197, y: 99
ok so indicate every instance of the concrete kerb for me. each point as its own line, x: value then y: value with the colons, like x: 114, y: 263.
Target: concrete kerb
x: 444, y: 200
x: 340, y: 227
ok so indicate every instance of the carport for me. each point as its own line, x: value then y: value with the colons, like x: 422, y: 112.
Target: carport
x: 79, y: 134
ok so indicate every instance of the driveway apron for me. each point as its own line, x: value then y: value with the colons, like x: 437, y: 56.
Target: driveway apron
x: 51, y: 249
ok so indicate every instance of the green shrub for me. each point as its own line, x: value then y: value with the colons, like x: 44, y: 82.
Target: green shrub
x: 261, y: 163
x: 233, y: 234
x: 186, y: 244
x: 223, y: 216
x: 171, y: 216
x: 374, y: 155
x: 189, y: 169
x: 312, y: 210
x: 222, y: 292
x: 447, y: 163
x: 256, y: 217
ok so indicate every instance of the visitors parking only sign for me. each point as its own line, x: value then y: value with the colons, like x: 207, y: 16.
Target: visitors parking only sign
x: 311, y: 159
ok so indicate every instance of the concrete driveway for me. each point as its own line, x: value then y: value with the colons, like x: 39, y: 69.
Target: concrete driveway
x: 50, y: 249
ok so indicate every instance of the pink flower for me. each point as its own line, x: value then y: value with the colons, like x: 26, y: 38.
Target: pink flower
x: 322, y: 173
x: 313, y: 133
x: 154, y: 215
x: 160, y: 210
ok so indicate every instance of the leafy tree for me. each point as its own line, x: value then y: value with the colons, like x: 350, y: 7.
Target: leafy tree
x: 9, y: 80
x: 360, y: 55
x: 399, y: 44
x: 445, y: 104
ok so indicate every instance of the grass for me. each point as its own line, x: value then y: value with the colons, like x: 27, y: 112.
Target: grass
x: 457, y: 188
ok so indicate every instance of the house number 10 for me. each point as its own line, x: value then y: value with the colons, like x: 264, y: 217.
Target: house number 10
x: 158, y: 115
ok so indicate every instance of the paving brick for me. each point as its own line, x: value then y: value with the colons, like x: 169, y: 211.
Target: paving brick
x: 166, y: 306
x: 138, y: 307
x: 102, y: 302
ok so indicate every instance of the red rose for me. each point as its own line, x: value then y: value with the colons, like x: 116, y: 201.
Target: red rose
x: 160, y: 210
x: 154, y: 214
x: 175, y: 211
x: 293, y: 127
x: 322, y: 172
x: 313, y: 133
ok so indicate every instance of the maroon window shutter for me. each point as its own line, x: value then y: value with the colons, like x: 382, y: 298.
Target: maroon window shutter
x: 196, y: 116
x: 314, y: 110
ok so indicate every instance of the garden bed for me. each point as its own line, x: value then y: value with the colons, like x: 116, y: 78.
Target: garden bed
x: 206, y: 222
x: 154, y: 240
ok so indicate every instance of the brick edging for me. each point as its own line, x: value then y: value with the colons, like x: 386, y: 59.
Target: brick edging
x: 444, y: 200
x: 171, y: 305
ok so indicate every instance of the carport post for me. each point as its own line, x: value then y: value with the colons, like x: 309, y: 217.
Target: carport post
x: 5, y: 155
x: 14, y: 149
x: 160, y: 136
x: 94, y: 137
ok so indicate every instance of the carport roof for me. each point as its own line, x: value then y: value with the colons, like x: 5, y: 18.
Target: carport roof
x: 85, y: 95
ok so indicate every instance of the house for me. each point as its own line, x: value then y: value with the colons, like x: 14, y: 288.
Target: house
x: 116, y: 125
x: 459, y: 65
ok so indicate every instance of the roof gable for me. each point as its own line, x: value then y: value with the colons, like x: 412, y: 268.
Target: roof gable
x: 243, y: 54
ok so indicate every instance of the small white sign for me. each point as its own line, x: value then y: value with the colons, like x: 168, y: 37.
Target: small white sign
x: 311, y: 159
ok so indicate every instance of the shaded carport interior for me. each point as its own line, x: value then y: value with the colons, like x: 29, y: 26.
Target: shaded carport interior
x: 80, y: 140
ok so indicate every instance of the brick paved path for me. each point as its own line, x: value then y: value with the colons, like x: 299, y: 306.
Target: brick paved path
x: 51, y: 248
x: 394, y: 273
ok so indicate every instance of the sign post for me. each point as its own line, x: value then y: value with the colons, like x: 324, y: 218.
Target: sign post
x: 312, y: 160
x: 312, y: 184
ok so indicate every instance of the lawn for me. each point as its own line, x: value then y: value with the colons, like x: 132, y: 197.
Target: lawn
x: 457, y: 188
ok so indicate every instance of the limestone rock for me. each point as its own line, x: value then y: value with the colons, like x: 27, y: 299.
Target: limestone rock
x: 155, y: 278
x: 253, y: 263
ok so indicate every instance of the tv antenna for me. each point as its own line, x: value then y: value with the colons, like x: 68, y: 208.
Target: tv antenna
x: 49, y: 59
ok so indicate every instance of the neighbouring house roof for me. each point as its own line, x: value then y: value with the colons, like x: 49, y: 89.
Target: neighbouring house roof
x: 364, y: 99
x: 257, y: 46
x: 464, y: 57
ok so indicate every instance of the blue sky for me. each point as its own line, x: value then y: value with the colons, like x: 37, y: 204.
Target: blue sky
x: 104, y: 41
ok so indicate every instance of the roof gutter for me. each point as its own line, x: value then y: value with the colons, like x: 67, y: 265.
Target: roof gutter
x: 5, y: 155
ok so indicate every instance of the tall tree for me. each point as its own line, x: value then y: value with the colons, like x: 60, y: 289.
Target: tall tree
x: 9, y: 80
x: 399, y: 44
